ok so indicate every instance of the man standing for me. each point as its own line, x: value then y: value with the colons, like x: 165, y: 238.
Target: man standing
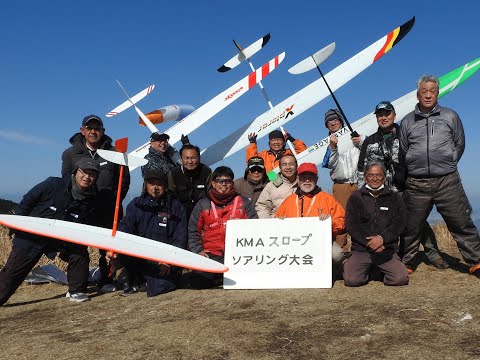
x: 161, y: 155
x: 310, y: 201
x: 276, y: 191
x: 383, y: 146
x: 276, y: 142
x: 72, y: 198
x: 253, y: 181
x: 188, y: 182
x: 375, y: 219
x: 84, y: 146
x: 432, y: 142
x: 343, y: 165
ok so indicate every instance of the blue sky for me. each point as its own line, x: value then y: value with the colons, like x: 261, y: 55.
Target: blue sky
x: 60, y: 60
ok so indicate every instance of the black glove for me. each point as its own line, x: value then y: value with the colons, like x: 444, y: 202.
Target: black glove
x: 253, y: 139
x: 185, y: 140
x: 290, y: 137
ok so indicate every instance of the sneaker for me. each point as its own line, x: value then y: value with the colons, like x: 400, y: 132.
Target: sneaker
x: 129, y: 290
x: 108, y: 288
x: 77, y: 297
x: 475, y: 270
x: 440, y: 264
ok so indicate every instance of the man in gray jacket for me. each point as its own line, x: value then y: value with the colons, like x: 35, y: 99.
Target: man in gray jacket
x: 432, y: 142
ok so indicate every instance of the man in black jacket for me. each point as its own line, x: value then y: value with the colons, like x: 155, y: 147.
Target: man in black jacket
x: 72, y: 198
x: 188, y: 182
x: 375, y: 218
x: 84, y: 146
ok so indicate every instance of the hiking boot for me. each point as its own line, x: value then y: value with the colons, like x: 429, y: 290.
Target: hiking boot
x: 77, y: 297
x: 475, y: 270
x: 440, y: 264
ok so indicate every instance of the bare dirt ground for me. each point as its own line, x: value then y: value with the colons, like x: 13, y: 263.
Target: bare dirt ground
x: 436, y: 316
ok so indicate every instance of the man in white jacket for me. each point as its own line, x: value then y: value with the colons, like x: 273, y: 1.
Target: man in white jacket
x: 343, y: 166
x: 279, y: 189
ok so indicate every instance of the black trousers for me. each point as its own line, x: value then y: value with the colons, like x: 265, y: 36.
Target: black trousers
x: 447, y: 194
x: 23, y: 258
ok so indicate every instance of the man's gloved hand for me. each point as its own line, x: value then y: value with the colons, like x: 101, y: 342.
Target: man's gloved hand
x: 289, y: 137
x: 185, y: 140
x: 252, y: 137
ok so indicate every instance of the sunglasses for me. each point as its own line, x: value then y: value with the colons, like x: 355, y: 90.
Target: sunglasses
x: 223, y: 181
x: 257, y: 169
x: 93, y: 128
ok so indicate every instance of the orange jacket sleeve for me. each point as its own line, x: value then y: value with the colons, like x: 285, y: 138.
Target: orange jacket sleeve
x: 251, y: 151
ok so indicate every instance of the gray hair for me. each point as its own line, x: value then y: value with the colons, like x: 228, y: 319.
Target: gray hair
x: 428, y: 78
x: 376, y: 163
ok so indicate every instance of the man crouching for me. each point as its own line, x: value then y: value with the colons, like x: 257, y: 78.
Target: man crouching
x: 375, y: 218
x: 72, y: 198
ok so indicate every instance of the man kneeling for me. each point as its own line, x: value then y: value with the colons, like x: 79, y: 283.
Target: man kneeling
x: 375, y: 218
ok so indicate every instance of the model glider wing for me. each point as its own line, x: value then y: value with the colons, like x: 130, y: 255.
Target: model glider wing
x: 129, y: 102
x: 312, y: 61
x: 215, y: 105
x: 304, y: 99
x: 121, y: 158
x: 245, y: 54
x: 122, y: 243
x: 368, y: 124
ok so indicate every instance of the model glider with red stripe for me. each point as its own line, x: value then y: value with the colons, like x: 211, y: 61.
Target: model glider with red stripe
x: 305, y: 98
x: 214, y: 106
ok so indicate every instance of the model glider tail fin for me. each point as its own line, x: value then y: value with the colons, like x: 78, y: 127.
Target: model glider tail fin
x: 121, y: 145
x: 313, y: 61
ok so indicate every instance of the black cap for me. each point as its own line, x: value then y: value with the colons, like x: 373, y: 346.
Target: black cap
x: 156, y: 136
x: 88, y: 118
x: 384, y: 105
x: 87, y: 164
x: 276, y: 134
x: 155, y: 174
x: 256, y: 161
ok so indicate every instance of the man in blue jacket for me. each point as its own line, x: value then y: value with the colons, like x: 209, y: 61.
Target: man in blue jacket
x: 158, y: 216
x: 72, y: 198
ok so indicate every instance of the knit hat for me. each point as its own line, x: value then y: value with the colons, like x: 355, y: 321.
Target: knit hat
x: 307, y: 167
x: 333, y: 114
x: 88, y: 118
x: 276, y: 134
x: 156, y: 136
x: 87, y: 164
x: 384, y: 105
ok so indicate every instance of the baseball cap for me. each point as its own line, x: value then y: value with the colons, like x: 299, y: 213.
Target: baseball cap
x: 384, y: 105
x: 156, y: 136
x: 87, y: 164
x: 276, y: 134
x: 307, y: 167
x: 256, y: 161
x: 88, y: 118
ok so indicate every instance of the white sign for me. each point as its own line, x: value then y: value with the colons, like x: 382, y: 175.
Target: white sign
x: 278, y: 253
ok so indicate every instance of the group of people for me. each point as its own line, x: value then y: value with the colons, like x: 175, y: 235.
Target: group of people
x: 384, y: 188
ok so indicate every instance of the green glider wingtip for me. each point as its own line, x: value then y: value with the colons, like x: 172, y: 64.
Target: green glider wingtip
x: 455, y: 78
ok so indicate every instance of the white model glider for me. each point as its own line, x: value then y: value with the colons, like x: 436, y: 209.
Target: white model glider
x: 304, y: 99
x: 121, y: 243
x: 367, y: 125
x: 212, y: 107
x: 244, y: 54
x: 312, y: 61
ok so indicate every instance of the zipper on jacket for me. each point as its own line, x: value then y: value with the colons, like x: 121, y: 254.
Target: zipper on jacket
x: 428, y: 146
x: 433, y: 127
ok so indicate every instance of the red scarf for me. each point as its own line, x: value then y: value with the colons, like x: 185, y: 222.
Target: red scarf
x: 222, y: 199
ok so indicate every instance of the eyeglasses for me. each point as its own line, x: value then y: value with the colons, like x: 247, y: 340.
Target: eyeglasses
x: 331, y: 121
x: 374, y: 176
x: 257, y: 169
x: 224, y: 181
x: 93, y: 128
x: 91, y: 175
